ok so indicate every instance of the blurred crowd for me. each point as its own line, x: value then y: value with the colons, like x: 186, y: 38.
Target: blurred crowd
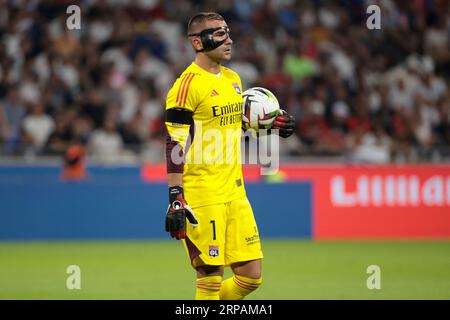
x: 364, y: 95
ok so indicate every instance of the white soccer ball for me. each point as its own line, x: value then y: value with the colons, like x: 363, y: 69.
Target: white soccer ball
x: 260, y: 107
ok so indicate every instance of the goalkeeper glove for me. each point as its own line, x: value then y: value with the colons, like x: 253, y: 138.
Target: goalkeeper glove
x: 285, y: 123
x: 177, y: 212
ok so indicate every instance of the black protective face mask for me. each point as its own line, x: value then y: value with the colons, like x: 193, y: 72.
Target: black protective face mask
x: 212, y: 38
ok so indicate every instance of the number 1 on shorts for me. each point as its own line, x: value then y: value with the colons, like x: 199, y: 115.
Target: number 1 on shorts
x: 213, y: 222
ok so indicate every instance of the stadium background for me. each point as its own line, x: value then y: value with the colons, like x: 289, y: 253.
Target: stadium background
x: 365, y: 181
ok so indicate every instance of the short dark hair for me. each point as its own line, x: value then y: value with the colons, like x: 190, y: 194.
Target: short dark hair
x: 200, y: 18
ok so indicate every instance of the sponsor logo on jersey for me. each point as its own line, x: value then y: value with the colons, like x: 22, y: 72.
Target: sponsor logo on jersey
x: 213, y: 251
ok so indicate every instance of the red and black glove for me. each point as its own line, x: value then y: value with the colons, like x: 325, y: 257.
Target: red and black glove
x: 177, y: 213
x: 285, y: 123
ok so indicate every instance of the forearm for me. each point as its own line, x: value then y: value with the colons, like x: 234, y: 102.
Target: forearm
x: 174, y: 168
x: 175, y: 157
x: 175, y: 179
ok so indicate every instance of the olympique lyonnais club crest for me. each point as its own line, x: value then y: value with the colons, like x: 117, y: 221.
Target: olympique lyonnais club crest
x: 213, y: 251
x: 236, y: 87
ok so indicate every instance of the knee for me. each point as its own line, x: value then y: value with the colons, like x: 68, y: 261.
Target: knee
x: 207, y: 271
x: 251, y: 284
x: 250, y: 269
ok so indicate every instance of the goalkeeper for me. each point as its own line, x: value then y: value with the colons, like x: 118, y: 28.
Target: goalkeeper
x: 208, y: 206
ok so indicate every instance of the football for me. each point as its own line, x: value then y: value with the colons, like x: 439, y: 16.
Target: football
x: 260, y: 107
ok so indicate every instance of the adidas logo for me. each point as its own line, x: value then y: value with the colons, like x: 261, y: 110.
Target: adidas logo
x: 214, y: 93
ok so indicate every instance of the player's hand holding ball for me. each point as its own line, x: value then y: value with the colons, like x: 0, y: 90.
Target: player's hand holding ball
x: 285, y: 123
x: 261, y: 110
x: 177, y: 213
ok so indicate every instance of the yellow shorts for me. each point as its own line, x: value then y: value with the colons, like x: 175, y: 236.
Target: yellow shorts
x: 226, y: 233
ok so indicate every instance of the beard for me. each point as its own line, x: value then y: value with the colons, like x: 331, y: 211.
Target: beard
x: 219, y: 55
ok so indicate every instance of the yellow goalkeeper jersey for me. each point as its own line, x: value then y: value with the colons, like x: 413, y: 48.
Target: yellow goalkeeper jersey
x: 212, y: 172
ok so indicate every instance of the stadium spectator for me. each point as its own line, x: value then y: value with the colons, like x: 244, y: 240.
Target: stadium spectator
x: 74, y: 168
x: 12, y: 112
x: 106, y: 144
x: 61, y: 136
x: 37, y: 127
